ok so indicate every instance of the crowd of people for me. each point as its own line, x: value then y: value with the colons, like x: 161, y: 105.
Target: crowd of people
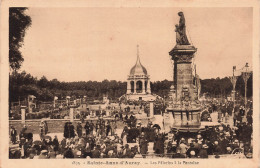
x: 100, y: 139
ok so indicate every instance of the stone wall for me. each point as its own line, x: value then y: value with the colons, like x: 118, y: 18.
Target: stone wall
x: 54, y: 126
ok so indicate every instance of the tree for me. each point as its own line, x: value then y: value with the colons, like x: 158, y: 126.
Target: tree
x: 18, y: 23
x: 43, y: 82
x: 22, y: 84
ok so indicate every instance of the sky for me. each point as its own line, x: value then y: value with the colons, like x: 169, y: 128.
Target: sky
x: 81, y: 44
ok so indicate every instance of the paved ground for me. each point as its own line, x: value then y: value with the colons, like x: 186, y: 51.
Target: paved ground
x: 229, y: 120
x: 156, y: 120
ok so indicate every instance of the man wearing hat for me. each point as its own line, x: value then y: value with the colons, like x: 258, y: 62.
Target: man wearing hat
x: 13, y: 135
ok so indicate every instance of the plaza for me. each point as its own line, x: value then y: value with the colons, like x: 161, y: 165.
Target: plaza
x: 94, y: 122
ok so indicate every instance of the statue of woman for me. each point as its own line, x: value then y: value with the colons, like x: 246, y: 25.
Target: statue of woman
x: 181, y: 37
x: 178, y: 34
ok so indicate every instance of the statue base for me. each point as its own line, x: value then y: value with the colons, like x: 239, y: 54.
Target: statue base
x: 182, y: 49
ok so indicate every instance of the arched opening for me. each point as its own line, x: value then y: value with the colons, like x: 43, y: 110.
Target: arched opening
x: 139, y: 87
x: 132, y: 86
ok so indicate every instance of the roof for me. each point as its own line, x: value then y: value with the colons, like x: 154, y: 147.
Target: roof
x: 138, y: 68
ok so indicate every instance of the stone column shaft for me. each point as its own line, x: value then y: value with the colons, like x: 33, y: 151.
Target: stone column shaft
x: 23, y: 114
x: 143, y: 86
x: 128, y: 87
x: 134, y: 86
x: 71, y: 114
x: 148, y: 86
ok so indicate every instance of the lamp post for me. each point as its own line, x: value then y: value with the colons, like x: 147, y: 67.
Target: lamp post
x: 246, y: 74
x: 233, y: 80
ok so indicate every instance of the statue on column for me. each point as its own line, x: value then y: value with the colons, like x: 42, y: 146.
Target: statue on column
x: 181, y: 37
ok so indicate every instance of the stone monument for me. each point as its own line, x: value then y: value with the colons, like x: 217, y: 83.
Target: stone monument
x: 184, y: 106
x: 31, y: 103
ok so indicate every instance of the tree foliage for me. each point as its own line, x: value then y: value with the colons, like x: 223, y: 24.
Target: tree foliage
x: 18, y: 23
x: 22, y: 84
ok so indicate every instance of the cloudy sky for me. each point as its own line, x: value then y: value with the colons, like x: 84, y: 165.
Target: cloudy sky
x: 81, y: 44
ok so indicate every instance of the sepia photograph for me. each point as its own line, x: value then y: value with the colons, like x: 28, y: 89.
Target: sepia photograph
x: 101, y: 85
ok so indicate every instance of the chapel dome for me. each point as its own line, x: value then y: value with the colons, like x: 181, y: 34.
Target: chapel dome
x: 138, y: 68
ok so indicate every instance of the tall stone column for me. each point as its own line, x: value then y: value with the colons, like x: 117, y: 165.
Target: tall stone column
x: 134, y: 86
x: 72, y: 113
x: 148, y: 86
x: 128, y: 87
x: 143, y: 86
x: 54, y: 99
x: 68, y: 100
x: 233, y: 80
x: 23, y: 114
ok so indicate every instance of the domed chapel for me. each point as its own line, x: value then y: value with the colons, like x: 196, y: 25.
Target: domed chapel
x: 138, y: 82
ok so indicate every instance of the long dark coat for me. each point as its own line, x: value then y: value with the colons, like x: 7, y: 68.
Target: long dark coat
x: 159, y: 144
x: 143, y: 145
x: 13, y: 135
x: 79, y: 130
x: 66, y: 131
x: 72, y: 133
